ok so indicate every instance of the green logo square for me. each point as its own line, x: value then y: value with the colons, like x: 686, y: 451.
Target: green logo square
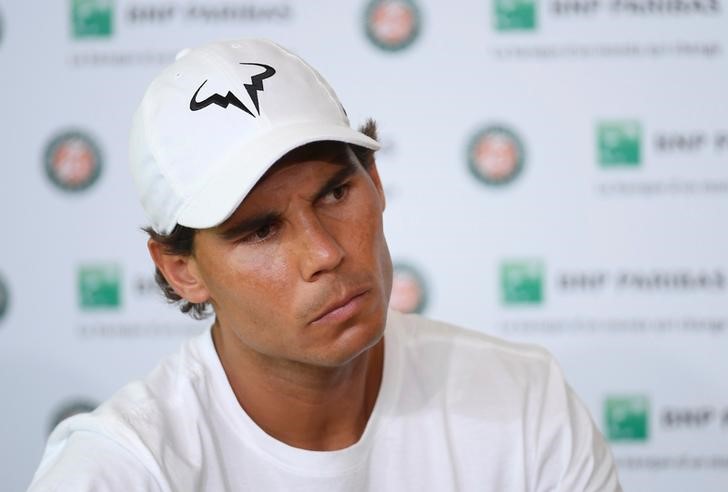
x: 99, y: 286
x: 522, y: 282
x: 626, y: 418
x: 92, y: 18
x: 511, y: 15
x: 619, y: 143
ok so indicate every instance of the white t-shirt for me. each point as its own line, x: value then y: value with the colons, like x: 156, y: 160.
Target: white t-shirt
x: 457, y: 410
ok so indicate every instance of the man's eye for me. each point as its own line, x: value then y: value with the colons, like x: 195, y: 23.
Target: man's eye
x: 263, y: 232
x: 260, y: 234
x: 339, y: 192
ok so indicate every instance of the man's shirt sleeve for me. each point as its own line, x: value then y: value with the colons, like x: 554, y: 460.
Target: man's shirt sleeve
x: 88, y: 462
x: 571, y: 454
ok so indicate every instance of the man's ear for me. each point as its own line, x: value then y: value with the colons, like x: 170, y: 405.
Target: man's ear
x: 181, y: 272
x: 374, y: 174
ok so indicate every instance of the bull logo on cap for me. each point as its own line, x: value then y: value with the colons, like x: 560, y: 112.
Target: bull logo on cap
x: 255, y: 86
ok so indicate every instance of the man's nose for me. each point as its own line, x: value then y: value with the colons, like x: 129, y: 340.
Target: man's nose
x: 320, y: 251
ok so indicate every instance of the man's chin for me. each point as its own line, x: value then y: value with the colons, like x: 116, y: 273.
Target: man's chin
x: 353, y: 341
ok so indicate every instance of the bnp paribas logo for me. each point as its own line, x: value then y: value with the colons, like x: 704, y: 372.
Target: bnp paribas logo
x: 73, y: 160
x: 619, y: 143
x: 4, y: 298
x: 627, y: 417
x: 409, y: 289
x: 99, y: 286
x: 522, y: 282
x: 392, y: 25
x: 496, y: 155
x: 92, y: 18
x: 514, y: 15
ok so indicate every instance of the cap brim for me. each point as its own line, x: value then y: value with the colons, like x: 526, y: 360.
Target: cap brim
x: 217, y: 199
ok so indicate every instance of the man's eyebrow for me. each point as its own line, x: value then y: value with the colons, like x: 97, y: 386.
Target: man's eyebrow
x: 255, y: 222
x: 341, y: 175
x: 249, y: 225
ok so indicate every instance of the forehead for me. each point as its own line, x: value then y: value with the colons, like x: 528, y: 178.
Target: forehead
x: 339, y: 155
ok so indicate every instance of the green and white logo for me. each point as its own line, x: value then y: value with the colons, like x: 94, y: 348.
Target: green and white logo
x: 99, y: 286
x: 514, y: 15
x: 409, y: 289
x: 522, y: 282
x: 626, y: 418
x: 495, y: 155
x: 619, y: 143
x: 392, y: 25
x: 4, y: 298
x: 72, y: 161
x: 92, y: 18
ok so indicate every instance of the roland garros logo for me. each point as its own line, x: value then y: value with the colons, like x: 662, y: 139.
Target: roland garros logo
x: 409, y: 291
x: 495, y: 155
x: 72, y: 161
x: 392, y: 25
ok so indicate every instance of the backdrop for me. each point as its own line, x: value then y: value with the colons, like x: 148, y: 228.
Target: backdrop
x: 556, y: 172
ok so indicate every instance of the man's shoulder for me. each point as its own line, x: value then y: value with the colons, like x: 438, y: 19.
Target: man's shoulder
x: 482, y: 370
x: 500, y: 397
x: 420, y: 333
x: 166, y: 390
x: 141, y: 417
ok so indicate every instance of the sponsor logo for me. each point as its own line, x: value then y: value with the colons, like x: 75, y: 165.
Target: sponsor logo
x: 690, y: 142
x: 650, y: 280
x: 392, y: 25
x: 574, y: 7
x: 92, y: 18
x: 99, y: 286
x: 665, y: 7
x: 720, y: 141
x: 146, y: 285
x: 255, y: 86
x: 676, y: 418
x: 522, y: 282
x: 495, y: 155
x: 619, y: 143
x: 72, y: 161
x: 68, y: 409
x: 207, y: 12
x: 514, y: 15
x: 671, y: 280
x: 4, y: 298
x: 635, y: 7
x: 409, y: 291
x: 582, y: 281
x: 626, y: 417
x: 681, y: 142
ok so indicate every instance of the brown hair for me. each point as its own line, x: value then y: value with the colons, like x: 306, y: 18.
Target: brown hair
x: 181, y: 240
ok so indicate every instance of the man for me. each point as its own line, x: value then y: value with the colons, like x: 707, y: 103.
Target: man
x: 267, y: 206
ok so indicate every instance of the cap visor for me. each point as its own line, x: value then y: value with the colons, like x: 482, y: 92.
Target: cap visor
x: 240, y: 170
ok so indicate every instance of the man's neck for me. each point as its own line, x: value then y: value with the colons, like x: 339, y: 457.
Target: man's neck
x: 304, y: 406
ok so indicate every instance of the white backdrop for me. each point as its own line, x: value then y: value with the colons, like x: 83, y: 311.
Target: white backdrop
x: 556, y: 171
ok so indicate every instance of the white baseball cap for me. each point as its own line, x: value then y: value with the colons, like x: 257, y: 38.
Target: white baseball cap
x: 212, y: 123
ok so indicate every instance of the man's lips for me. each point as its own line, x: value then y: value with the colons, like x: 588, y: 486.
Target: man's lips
x: 343, y: 308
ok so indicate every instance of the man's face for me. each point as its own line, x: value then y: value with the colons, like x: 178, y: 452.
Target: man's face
x: 301, y: 271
